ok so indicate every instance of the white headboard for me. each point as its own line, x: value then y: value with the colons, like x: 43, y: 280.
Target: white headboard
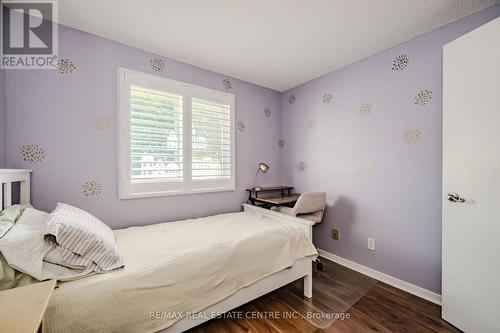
x: 9, y: 176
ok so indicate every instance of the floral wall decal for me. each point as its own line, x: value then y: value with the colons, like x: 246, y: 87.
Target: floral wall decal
x: 423, y: 97
x: 330, y: 196
x: 242, y: 126
x: 327, y: 98
x: 400, y: 62
x: 91, y: 188
x: 366, y: 109
x: 65, y: 66
x: 267, y: 112
x: 32, y: 153
x: 367, y: 168
x: 335, y: 140
x: 413, y: 136
x: 102, y: 121
x: 226, y: 83
x: 157, y: 64
x: 292, y: 99
x: 281, y: 143
x: 312, y: 123
x: 301, y: 166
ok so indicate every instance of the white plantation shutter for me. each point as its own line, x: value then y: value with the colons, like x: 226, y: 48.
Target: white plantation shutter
x: 211, y: 140
x: 155, y: 135
x: 175, y: 138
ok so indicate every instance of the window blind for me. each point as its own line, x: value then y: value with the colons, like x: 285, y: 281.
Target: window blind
x: 155, y: 135
x: 211, y: 140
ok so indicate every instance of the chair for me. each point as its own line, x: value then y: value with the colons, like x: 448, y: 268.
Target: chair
x: 310, y: 206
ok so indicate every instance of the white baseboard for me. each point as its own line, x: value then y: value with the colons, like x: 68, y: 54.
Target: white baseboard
x: 395, y: 282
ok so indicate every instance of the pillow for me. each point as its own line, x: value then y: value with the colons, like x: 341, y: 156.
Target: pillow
x: 23, y: 246
x: 56, y: 256
x: 24, y: 249
x: 83, y: 238
x: 9, y: 216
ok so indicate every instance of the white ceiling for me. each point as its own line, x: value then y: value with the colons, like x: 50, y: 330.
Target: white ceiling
x: 277, y: 44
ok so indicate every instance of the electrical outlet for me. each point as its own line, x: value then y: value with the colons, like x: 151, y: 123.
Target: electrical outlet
x: 371, y: 244
x: 335, y: 234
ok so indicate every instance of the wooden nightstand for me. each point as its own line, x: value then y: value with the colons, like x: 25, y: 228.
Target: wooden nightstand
x: 22, y: 309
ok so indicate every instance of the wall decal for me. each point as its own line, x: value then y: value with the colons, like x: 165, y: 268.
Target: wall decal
x: 157, y: 64
x: 267, y: 112
x: 91, y: 188
x: 292, y: 99
x: 335, y: 140
x: 366, y: 109
x: 102, y: 121
x: 32, y: 153
x: 281, y: 143
x: 327, y: 98
x: 367, y: 168
x: 400, y: 63
x: 242, y: 126
x: 65, y: 66
x: 413, y: 136
x: 312, y: 123
x: 330, y: 196
x: 423, y: 97
x: 226, y: 83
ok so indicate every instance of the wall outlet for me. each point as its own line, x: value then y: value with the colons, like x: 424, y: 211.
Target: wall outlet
x: 371, y: 244
x: 335, y: 234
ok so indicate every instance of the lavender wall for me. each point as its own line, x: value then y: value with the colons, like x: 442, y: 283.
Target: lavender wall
x: 379, y: 185
x: 2, y: 118
x: 56, y: 112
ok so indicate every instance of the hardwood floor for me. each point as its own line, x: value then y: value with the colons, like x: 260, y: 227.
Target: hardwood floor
x: 379, y: 308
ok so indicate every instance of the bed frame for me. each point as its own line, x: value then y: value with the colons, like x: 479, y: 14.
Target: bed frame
x: 9, y: 176
x: 301, y: 269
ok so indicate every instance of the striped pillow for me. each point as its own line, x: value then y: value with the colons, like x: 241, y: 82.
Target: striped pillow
x: 84, y: 240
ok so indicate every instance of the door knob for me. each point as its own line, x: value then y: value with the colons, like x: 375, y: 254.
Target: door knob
x: 454, y: 197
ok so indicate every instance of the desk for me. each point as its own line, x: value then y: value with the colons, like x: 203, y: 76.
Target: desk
x: 279, y: 200
x: 286, y: 197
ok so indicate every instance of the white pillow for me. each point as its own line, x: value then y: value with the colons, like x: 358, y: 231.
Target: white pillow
x: 23, y: 246
x: 83, y: 239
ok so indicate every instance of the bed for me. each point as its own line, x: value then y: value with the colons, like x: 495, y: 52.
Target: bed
x: 181, y: 274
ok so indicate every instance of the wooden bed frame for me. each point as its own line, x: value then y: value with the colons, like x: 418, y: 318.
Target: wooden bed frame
x: 301, y: 269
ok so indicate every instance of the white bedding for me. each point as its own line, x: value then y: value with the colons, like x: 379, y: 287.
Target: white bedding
x: 179, y: 267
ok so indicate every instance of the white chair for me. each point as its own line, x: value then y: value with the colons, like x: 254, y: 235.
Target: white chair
x: 309, y: 206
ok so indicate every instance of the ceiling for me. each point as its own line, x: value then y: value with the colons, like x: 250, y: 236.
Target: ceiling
x: 277, y: 44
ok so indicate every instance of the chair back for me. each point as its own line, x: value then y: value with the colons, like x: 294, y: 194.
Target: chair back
x: 310, y: 202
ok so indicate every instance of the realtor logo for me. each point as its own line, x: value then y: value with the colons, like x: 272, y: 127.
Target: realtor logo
x: 29, y: 34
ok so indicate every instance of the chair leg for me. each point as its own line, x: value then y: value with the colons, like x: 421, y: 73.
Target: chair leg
x: 319, y: 265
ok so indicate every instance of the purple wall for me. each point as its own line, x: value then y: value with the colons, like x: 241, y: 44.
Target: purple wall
x: 56, y: 112
x: 2, y: 118
x: 379, y: 185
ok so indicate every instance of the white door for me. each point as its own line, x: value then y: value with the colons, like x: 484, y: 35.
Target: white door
x: 471, y: 169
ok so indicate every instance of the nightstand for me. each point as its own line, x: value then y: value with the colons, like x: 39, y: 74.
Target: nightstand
x: 22, y: 309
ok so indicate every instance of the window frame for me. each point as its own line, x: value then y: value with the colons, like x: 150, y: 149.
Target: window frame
x: 128, y: 189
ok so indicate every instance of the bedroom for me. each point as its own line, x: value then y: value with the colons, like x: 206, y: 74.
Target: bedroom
x: 149, y: 134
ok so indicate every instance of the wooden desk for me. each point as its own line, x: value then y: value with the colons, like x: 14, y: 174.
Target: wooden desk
x: 22, y: 308
x: 284, y: 198
x: 279, y: 200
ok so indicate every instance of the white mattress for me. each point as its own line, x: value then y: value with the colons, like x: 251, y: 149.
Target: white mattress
x: 176, y: 268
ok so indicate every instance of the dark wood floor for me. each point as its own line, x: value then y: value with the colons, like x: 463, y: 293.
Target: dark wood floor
x: 379, y: 308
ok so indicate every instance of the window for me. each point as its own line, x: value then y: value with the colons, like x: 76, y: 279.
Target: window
x: 174, y: 138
